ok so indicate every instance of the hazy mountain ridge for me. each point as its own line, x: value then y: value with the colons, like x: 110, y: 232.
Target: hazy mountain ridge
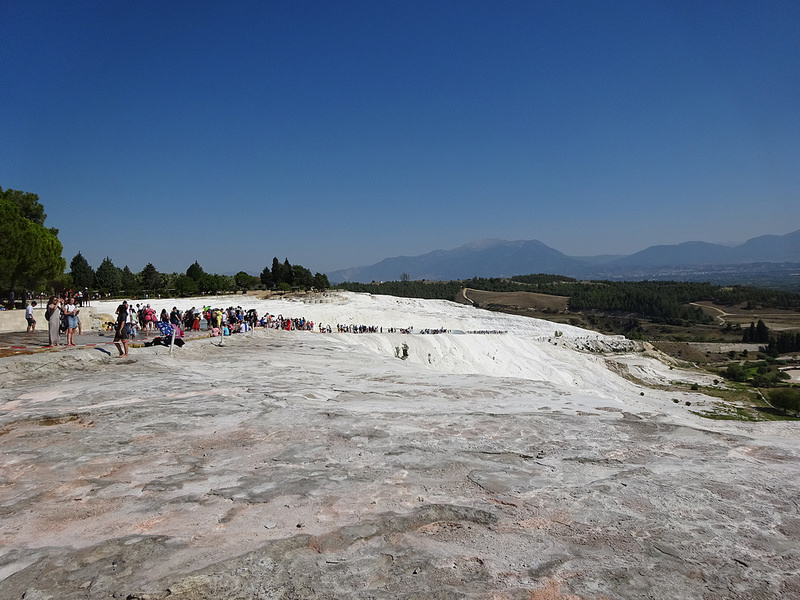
x: 765, y: 248
x: 501, y: 258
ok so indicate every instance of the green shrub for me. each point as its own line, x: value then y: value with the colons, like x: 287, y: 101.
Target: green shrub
x: 736, y: 372
x: 787, y: 399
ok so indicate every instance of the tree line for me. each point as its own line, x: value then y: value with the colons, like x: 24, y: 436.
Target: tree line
x: 31, y: 261
x: 774, y: 344
x: 110, y: 279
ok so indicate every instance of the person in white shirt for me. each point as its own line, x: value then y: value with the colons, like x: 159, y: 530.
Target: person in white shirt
x: 71, y: 312
x: 29, y: 317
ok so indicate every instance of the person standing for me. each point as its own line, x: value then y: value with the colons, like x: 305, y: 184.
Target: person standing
x: 132, y: 322
x: 53, y: 316
x: 121, y: 335
x: 150, y: 316
x: 29, y: 317
x: 70, y: 310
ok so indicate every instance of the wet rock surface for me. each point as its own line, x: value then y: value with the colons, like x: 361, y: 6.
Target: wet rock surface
x: 303, y: 466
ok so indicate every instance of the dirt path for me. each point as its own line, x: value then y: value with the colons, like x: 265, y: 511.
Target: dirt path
x: 464, y: 293
x: 721, y: 316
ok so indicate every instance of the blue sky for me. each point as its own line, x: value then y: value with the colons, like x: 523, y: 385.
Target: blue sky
x: 339, y: 133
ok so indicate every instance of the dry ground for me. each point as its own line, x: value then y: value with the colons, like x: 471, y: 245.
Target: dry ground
x: 521, y: 303
x: 775, y: 319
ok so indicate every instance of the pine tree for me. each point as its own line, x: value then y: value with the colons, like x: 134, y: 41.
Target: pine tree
x: 277, y: 272
x: 82, y: 273
x: 288, y: 272
x: 108, y: 277
x: 195, y: 271
x: 762, y: 333
x: 266, y: 277
x: 150, y: 278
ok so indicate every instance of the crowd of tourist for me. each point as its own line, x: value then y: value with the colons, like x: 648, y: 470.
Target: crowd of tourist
x: 63, y: 317
x: 235, y: 319
x: 485, y: 331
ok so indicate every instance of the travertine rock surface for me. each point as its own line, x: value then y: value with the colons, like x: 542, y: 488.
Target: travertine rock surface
x: 305, y: 465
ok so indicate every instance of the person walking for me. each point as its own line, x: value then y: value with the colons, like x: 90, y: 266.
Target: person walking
x: 121, y: 335
x: 29, y: 317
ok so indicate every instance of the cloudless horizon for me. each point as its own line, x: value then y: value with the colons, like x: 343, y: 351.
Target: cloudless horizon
x: 337, y: 134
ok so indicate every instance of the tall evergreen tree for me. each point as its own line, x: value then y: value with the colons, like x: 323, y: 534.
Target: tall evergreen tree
x: 108, y: 277
x: 266, y: 277
x: 288, y: 273
x: 762, y: 333
x: 128, y: 281
x: 150, y: 278
x: 195, y: 271
x: 276, y: 271
x: 82, y: 273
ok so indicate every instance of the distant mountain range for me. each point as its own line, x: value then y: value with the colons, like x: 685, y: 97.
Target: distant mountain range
x: 763, y: 256
x: 762, y: 249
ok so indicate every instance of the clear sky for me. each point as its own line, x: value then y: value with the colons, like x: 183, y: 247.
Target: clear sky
x: 339, y: 133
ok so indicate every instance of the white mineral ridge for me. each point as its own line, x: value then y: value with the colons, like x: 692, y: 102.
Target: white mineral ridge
x: 571, y: 363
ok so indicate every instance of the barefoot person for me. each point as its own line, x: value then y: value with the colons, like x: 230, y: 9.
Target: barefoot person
x: 121, y: 336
